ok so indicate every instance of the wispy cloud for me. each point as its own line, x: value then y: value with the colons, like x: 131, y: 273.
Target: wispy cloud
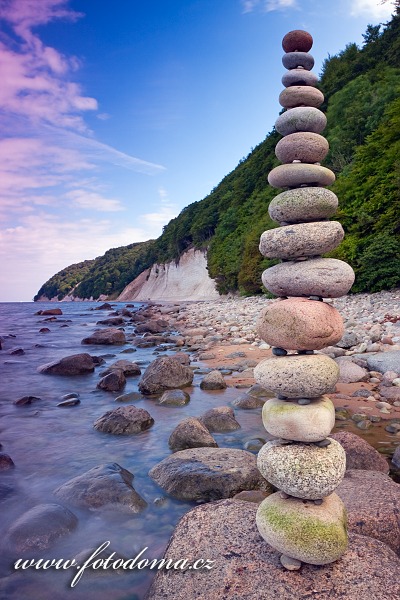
x: 267, y: 5
x: 50, y: 160
x: 375, y: 9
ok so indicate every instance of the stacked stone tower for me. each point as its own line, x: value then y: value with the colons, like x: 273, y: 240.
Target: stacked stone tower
x: 305, y: 520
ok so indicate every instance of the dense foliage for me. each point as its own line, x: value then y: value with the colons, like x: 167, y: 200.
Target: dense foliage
x: 361, y: 88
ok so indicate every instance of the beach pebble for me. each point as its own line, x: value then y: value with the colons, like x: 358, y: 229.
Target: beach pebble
x: 312, y: 534
x: 300, y: 324
x: 350, y: 372
x: 163, y: 374
x: 290, y: 564
x: 301, y: 240
x: 220, y: 419
x: 325, y: 277
x: 298, y: 376
x: 298, y: 174
x: 300, y: 422
x: 292, y: 60
x: 301, y: 118
x: 174, y: 398
x: 299, y: 77
x: 305, y: 147
x: 302, y: 470
x: 300, y: 95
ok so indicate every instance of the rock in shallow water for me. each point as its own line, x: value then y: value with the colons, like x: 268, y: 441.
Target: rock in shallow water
x: 302, y: 470
x: 124, y: 420
x: 108, y: 336
x: 163, y: 374
x: 208, y: 474
x: 191, y: 433
x: 113, y: 382
x: 213, y: 381
x: 76, y: 364
x: 40, y: 527
x: 220, y: 419
x: 290, y: 421
x: 297, y: 376
x: 174, y: 398
x: 302, y: 239
x: 313, y: 534
x: 103, y: 486
x: 300, y: 324
x: 323, y: 277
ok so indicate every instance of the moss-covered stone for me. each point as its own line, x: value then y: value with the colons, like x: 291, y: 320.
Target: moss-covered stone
x: 310, y: 533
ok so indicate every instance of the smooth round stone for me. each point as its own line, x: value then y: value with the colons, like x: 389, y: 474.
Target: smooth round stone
x: 300, y: 95
x: 303, y: 239
x: 303, y: 470
x: 311, y: 422
x: 300, y: 324
x: 303, y: 204
x: 292, y: 60
x: 313, y: 534
x: 297, y: 40
x: 297, y: 174
x: 304, y: 146
x: 299, y: 77
x: 324, y: 277
x: 301, y: 118
x: 298, y: 376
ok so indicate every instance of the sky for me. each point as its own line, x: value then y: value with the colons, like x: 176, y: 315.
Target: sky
x: 114, y: 116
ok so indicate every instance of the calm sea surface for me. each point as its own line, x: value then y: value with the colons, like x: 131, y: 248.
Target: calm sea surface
x: 50, y: 445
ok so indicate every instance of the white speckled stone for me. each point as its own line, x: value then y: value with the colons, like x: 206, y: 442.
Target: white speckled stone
x: 302, y: 118
x: 303, y: 470
x: 304, y: 146
x: 303, y: 239
x: 313, y: 534
x: 303, y: 204
x: 300, y: 95
x: 299, y: 77
x: 308, y: 423
x: 298, y: 376
x: 292, y: 60
x: 297, y: 174
x: 325, y: 277
x: 300, y: 324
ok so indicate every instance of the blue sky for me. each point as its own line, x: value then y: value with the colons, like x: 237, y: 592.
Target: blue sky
x: 116, y: 115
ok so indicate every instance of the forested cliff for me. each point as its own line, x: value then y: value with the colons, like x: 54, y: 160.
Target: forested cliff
x: 362, y: 104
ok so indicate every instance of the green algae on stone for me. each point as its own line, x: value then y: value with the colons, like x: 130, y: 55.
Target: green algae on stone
x: 310, y: 533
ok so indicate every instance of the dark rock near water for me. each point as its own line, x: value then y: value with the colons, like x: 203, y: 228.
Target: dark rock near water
x: 128, y: 368
x: 163, y: 374
x: 246, y: 567
x: 372, y: 502
x: 16, y: 352
x: 220, y: 419
x: 152, y: 326
x: 26, y: 400
x: 105, y: 306
x: 213, y: 381
x: 112, y: 321
x: 208, y: 473
x: 103, y: 486
x: 6, y: 462
x: 124, y: 420
x: 247, y: 402
x: 191, y: 433
x: 107, y: 336
x: 76, y: 364
x: 40, y: 527
x: 113, y: 382
x: 69, y: 402
x: 50, y: 312
x: 44, y: 330
x: 360, y: 454
x: 174, y: 398
x: 129, y: 397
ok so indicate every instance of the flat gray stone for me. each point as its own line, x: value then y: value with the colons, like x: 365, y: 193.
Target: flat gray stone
x: 299, y: 77
x: 301, y: 118
x: 291, y: 60
x: 385, y: 361
x: 324, y: 277
x: 208, y: 474
x: 303, y: 239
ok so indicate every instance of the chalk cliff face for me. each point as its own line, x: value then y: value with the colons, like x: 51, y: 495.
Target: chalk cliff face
x: 187, y: 279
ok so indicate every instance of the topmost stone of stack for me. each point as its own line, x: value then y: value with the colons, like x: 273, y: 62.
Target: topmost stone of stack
x: 297, y: 40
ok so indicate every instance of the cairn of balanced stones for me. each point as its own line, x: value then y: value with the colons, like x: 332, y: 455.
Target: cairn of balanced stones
x: 305, y: 520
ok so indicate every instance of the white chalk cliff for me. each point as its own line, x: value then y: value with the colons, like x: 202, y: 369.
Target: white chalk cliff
x: 187, y: 279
